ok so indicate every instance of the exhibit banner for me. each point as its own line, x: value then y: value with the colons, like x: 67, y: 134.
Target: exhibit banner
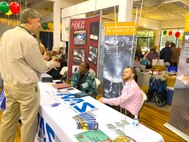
x: 179, y: 116
x: 119, y: 48
x: 186, y: 23
x: 84, y: 37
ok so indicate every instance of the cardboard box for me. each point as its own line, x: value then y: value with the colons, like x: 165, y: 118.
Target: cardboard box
x: 170, y: 80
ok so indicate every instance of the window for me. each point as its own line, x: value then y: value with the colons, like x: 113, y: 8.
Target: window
x: 171, y: 38
x: 145, y: 39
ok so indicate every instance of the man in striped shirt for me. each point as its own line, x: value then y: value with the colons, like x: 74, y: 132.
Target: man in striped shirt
x: 130, y: 98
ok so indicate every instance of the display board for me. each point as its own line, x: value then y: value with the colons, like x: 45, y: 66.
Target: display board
x: 119, y: 49
x: 84, y: 37
x: 179, y: 117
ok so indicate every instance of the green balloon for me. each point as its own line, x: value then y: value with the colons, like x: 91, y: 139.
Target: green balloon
x: 164, y: 32
x: 4, y: 7
x: 44, y: 26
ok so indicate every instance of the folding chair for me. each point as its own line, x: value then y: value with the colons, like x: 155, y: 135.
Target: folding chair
x: 63, y: 72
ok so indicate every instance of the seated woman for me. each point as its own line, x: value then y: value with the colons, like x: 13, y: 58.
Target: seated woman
x: 137, y: 64
x: 152, y: 55
x: 84, y: 81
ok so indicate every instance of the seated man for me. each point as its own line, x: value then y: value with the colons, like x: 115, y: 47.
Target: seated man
x: 130, y: 98
x: 84, y: 81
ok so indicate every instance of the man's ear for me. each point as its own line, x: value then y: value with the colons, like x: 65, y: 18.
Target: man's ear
x: 132, y: 75
x: 29, y: 20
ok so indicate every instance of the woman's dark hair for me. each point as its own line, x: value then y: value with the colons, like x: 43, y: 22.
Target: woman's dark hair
x: 153, y: 49
x: 173, y: 44
x: 87, y: 65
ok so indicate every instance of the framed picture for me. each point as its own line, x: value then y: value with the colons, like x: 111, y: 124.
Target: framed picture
x: 92, y: 54
x: 75, y: 68
x: 78, y: 55
x: 94, y: 31
x: 80, y: 37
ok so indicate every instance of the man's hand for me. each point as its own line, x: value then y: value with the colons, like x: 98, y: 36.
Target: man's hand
x: 101, y: 99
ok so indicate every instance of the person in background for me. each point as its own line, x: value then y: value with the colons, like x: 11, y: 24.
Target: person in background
x: 166, y: 52
x: 47, y: 56
x: 175, y: 55
x: 152, y: 55
x: 137, y: 64
x: 84, y: 81
x: 62, y: 57
x: 63, y: 60
x: 144, y: 61
x: 130, y: 98
x: 41, y: 47
x: 55, y: 73
x: 20, y: 70
x: 138, y: 52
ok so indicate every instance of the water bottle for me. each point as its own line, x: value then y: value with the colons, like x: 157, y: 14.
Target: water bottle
x: 135, y: 121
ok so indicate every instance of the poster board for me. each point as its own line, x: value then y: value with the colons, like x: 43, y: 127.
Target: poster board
x: 84, y: 37
x: 118, y: 53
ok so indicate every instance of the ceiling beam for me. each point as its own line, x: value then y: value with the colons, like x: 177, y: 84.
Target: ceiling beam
x: 88, y: 6
x: 170, y: 1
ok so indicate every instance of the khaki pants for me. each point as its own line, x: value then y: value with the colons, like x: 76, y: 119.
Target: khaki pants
x: 22, y: 102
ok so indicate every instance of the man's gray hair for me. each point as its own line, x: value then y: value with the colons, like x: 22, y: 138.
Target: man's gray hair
x: 29, y: 13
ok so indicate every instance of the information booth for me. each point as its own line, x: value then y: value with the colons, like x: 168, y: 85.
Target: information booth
x: 59, y: 108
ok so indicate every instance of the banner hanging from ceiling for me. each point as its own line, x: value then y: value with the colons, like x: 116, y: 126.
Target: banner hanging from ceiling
x: 119, y: 49
x: 84, y: 37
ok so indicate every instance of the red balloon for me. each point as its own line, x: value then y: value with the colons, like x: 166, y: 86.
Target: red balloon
x: 170, y: 33
x: 14, y: 7
x: 177, y: 34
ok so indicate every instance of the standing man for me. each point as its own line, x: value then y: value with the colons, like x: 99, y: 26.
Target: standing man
x: 21, y: 65
x: 166, y: 52
x: 130, y: 98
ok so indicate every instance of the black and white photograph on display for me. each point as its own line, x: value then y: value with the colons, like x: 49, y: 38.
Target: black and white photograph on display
x: 80, y: 37
x: 75, y: 68
x: 78, y: 55
x: 117, y: 54
x: 94, y: 30
x: 92, y: 54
